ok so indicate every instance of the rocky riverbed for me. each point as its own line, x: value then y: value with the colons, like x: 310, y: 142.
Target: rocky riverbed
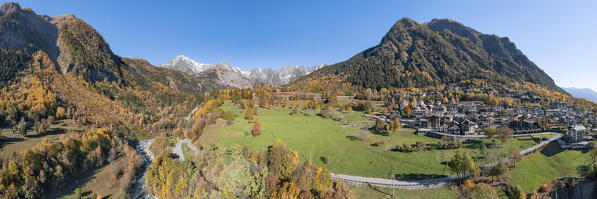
x: 140, y: 188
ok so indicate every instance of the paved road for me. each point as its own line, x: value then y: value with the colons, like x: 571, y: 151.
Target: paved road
x: 178, y: 148
x: 483, y: 136
x: 428, y: 183
x: 399, y: 184
x: 388, y: 183
x: 526, y: 151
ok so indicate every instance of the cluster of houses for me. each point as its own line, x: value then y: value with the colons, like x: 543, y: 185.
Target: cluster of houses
x: 471, y: 117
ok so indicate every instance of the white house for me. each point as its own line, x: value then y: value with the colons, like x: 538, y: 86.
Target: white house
x: 576, y: 133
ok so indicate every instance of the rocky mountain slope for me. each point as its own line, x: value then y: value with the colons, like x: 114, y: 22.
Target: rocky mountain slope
x: 436, y: 53
x: 186, y: 65
x: 78, y: 66
x: 586, y: 93
x: 225, y: 75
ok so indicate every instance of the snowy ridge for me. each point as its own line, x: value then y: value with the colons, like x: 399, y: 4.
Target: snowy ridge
x: 186, y: 65
x: 255, y: 76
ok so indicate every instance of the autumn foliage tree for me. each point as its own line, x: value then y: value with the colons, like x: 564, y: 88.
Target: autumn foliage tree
x: 235, y: 172
x: 281, y: 161
x: 504, y: 134
x: 250, y: 113
x: 256, y: 129
x: 50, y: 165
x: 60, y: 113
x: 462, y: 164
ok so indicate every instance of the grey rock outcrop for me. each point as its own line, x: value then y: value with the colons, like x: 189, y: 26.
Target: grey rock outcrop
x: 236, y: 77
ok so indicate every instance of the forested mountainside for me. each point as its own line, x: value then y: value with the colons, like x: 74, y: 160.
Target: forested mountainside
x: 59, y: 70
x: 71, y: 111
x: 68, y: 65
x: 436, y: 53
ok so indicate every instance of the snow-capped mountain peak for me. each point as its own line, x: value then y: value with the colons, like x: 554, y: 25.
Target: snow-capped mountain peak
x: 187, y: 65
x: 256, y: 76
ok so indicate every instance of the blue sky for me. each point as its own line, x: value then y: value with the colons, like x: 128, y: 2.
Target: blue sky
x: 559, y: 36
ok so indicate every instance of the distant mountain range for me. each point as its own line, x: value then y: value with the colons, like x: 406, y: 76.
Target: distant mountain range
x: 409, y: 55
x: 77, y: 64
x: 586, y: 93
x: 236, y: 77
x: 436, y: 53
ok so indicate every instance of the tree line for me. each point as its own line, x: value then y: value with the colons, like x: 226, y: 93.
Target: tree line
x: 49, y: 166
x: 236, y: 172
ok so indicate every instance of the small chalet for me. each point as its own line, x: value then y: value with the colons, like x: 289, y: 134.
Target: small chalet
x: 576, y: 133
x: 468, y: 127
x: 433, y: 121
x: 454, y: 128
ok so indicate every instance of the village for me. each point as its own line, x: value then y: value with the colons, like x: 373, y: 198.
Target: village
x: 470, y: 119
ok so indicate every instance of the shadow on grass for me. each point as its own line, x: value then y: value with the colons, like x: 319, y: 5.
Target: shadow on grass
x: 535, y: 139
x: 379, y: 190
x: 437, y: 146
x: 376, y: 132
x: 379, y: 143
x: 5, y: 140
x: 475, y: 144
x: 434, y: 146
x: 73, y: 183
x: 354, y: 138
x: 392, y: 149
x: 52, y: 132
x: 583, y: 170
x: 85, y: 194
x: 551, y: 149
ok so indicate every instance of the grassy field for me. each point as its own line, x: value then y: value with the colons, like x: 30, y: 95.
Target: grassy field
x: 348, y: 143
x: 550, y: 164
x: 14, y: 143
x: 373, y: 192
x: 96, y: 183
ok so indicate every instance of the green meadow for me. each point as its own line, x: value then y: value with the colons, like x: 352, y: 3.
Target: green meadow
x: 351, y: 147
x: 542, y: 168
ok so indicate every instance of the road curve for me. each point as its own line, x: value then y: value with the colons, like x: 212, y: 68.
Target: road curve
x: 389, y: 183
x: 427, y: 183
x: 178, y: 148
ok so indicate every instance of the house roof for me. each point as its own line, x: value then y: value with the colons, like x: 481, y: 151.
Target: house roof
x: 579, y: 127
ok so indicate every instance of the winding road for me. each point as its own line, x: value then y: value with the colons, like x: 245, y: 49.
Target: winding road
x: 143, y: 148
x: 178, y: 148
x: 428, y: 183
x: 140, y: 188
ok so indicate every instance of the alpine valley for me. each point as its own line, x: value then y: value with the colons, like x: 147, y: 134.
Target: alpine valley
x: 435, y: 110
